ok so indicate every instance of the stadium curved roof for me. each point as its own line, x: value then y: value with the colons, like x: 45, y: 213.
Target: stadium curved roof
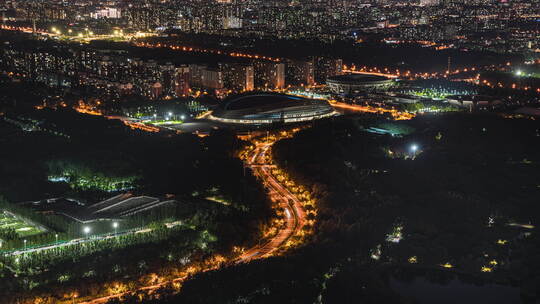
x: 264, y: 101
x: 269, y: 107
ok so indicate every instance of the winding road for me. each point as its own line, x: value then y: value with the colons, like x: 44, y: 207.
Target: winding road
x: 295, y: 218
x: 295, y: 215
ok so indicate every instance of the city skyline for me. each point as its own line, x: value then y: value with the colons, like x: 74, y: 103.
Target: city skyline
x: 280, y: 151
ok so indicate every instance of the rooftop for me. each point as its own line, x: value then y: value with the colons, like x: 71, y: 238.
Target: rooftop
x: 119, y: 206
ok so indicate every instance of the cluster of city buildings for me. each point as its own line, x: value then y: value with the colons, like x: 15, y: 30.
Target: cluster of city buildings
x: 117, y: 73
x: 501, y: 26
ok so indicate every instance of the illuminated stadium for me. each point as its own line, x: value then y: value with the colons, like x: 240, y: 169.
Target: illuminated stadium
x: 356, y: 83
x: 266, y: 108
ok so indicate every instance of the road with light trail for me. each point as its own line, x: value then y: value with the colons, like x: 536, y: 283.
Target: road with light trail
x: 295, y: 218
x: 295, y: 215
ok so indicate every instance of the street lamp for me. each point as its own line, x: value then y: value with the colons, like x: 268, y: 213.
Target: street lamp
x: 182, y: 117
x: 414, y: 148
x: 86, y: 231
x: 56, y: 237
x: 115, y: 226
x: 24, y: 245
x: 74, y: 295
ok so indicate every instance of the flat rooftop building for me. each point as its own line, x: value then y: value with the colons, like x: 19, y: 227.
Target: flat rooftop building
x: 116, y: 207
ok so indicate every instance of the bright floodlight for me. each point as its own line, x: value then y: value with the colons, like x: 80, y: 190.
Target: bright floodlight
x: 182, y: 117
x: 414, y: 148
x: 170, y: 113
x: 519, y: 72
x: 86, y: 230
x: 115, y: 225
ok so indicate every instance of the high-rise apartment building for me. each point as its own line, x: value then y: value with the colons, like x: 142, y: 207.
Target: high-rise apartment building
x: 238, y: 76
x: 269, y: 75
x: 300, y: 72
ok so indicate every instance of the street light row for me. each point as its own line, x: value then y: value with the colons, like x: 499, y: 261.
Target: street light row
x: 70, y: 31
x: 87, y: 229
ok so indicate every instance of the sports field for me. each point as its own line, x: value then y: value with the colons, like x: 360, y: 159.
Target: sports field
x: 8, y: 221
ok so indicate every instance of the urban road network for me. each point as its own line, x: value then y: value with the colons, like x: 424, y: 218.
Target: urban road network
x: 295, y: 218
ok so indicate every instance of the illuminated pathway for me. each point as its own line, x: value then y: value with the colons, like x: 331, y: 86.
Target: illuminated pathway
x: 369, y: 109
x: 295, y: 218
x: 371, y: 73
x: 295, y: 215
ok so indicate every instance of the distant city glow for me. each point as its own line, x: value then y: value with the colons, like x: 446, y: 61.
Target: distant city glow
x: 99, y: 93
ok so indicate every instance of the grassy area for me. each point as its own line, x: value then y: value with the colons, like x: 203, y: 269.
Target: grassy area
x: 22, y: 229
x: 534, y: 75
x: 166, y: 122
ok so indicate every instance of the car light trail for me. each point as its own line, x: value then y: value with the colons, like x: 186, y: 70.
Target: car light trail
x: 295, y: 219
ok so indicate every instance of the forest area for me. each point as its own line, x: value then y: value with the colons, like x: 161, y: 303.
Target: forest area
x: 387, y: 211
x: 94, y: 148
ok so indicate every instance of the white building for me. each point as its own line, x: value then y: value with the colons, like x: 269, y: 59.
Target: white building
x: 108, y: 12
